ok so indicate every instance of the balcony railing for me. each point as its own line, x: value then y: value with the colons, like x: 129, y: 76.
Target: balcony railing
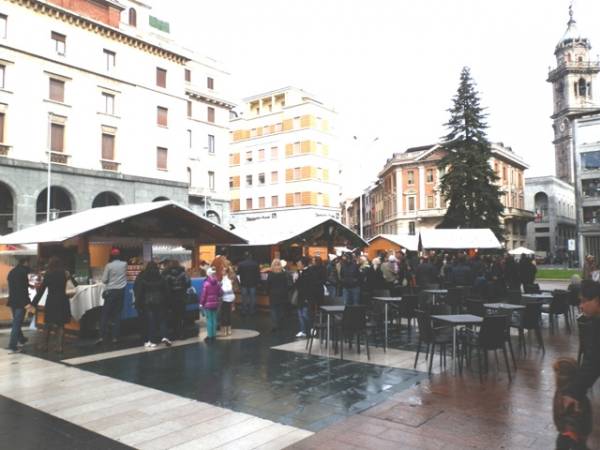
x: 59, y: 158
x: 113, y: 166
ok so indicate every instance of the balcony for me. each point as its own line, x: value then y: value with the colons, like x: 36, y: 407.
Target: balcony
x: 518, y: 213
x: 109, y: 165
x: 574, y: 67
x: 59, y: 158
x: 4, y: 149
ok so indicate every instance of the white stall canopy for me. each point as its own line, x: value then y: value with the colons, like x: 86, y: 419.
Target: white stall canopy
x: 458, y: 239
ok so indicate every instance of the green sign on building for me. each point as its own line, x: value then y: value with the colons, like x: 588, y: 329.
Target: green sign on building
x: 159, y: 24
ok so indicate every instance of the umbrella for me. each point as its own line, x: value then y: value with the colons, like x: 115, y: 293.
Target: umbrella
x: 521, y: 251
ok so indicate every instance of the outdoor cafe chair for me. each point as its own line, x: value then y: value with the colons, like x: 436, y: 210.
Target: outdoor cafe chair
x: 432, y: 336
x: 354, y: 323
x: 529, y: 319
x: 490, y: 337
x: 319, y: 329
x: 559, y: 305
x: 407, y: 310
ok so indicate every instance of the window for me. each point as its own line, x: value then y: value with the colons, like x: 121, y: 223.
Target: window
x: 57, y: 137
x: 189, y: 108
x: 261, y: 154
x: 429, y: 177
x: 188, y: 75
x: 210, y: 83
x: 319, y: 199
x: 161, y: 77
x: 297, y: 173
x: 274, y: 177
x: 1, y: 128
x: 248, y: 203
x: 108, y: 147
x: 110, y: 58
x: 504, y: 173
x: 582, y: 87
x: 410, y: 177
x: 230, y: 182
x: 189, y: 138
x: 411, y: 228
x: 261, y: 179
x: 430, y: 201
x: 162, y: 116
x: 2, y: 76
x: 261, y: 202
x: 274, y: 153
x: 249, y: 156
x: 297, y: 198
x: 109, y: 103
x: 274, y: 201
x: 3, y: 25
x: 60, y: 43
x: 211, y: 114
x: 278, y: 127
x: 161, y: 158
x: 590, y: 160
x: 411, y: 203
x: 211, y: 144
x: 132, y: 17
x: 248, y: 180
x: 211, y: 181
x: 57, y: 90
x: 297, y: 148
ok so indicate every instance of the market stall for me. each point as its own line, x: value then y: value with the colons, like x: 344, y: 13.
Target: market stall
x: 84, y: 240
x: 459, y: 239
x: 392, y: 242
x: 289, y: 239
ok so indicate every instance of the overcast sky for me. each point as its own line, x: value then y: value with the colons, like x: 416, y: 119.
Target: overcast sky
x: 391, y: 67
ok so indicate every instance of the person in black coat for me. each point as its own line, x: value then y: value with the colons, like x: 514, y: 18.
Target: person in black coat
x: 308, y: 287
x: 350, y: 278
x: 57, y: 309
x: 152, y: 293
x: 18, y: 301
x: 178, y: 283
x: 278, y: 289
x: 249, y: 273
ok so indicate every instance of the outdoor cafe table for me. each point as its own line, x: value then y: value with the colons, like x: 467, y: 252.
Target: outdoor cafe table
x: 331, y: 310
x: 504, y: 306
x: 544, y: 297
x: 455, y: 320
x: 387, y: 301
x: 435, y: 293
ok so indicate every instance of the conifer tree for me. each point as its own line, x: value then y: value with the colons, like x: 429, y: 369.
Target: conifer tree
x: 469, y: 182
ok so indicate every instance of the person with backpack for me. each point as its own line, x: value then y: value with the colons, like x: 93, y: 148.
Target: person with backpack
x: 153, y: 294
x: 178, y: 282
x: 210, y: 300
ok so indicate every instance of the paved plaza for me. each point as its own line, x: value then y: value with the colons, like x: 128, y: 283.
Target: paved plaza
x: 262, y: 390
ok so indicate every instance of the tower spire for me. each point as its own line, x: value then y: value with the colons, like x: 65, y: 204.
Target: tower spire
x: 571, y: 20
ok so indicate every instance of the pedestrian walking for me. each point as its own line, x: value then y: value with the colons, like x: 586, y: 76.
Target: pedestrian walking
x: 18, y: 302
x: 115, y: 280
x: 178, y: 282
x: 210, y: 301
x: 228, y: 304
x: 278, y: 290
x: 57, y: 310
x: 249, y: 273
x: 153, y: 295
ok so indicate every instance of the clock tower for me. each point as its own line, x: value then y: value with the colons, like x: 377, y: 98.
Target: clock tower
x: 573, y: 82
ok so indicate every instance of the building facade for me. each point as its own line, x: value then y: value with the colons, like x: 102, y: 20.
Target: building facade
x: 123, y: 114
x: 409, y: 196
x: 553, y: 203
x: 573, y: 86
x: 283, y: 158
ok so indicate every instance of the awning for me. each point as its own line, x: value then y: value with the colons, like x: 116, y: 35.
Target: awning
x: 314, y: 231
x: 458, y: 239
x: 158, y: 222
x: 521, y: 251
x: 407, y: 241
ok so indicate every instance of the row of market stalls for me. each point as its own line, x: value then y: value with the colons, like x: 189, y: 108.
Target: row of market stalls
x: 84, y: 241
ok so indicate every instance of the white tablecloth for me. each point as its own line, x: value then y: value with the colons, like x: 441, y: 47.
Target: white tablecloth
x: 86, y: 297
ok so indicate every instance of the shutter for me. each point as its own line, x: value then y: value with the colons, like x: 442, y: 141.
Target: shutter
x: 235, y: 205
x: 108, y: 147
x: 313, y: 198
x: 161, y: 158
x: 289, y: 199
x: 305, y: 173
x: 236, y: 181
x: 289, y: 174
x: 325, y: 199
x: 305, y: 121
x: 188, y: 75
x: 236, y: 159
x: 305, y: 198
x: 161, y: 77
x: 289, y: 149
x: 57, y: 90
x: 210, y: 83
x: 189, y: 108
x: 57, y: 137
x: 288, y: 124
x: 161, y: 116
x: 238, y: 134
x: 211, y: 114
x: 1, y: 128
x: 305, y: 146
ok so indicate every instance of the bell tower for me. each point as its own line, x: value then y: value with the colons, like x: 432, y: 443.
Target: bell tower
x: 574, y: 81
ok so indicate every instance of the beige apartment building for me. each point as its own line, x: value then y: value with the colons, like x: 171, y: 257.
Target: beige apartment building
x: 408, y: 198
x: 283, y: 158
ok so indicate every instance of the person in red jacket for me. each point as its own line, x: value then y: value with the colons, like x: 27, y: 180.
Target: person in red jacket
x: 210, y: 301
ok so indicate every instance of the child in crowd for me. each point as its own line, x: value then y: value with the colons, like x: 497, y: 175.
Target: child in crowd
x: 210, y: 301
x: 574, y: 426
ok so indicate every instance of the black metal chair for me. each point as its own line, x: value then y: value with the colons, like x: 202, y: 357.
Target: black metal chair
x: 432, y: 336
x: 354, y: 323
x: 529, y: 319
x: 491, y: 337
x: 513, y: 296
x: 557, y: 307
x: 407, y: 310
